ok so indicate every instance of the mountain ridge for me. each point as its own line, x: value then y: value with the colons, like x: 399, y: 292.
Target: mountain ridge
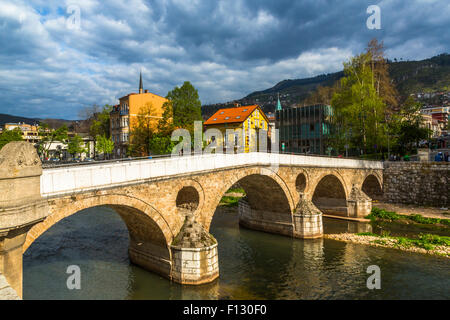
x: 431, y: 74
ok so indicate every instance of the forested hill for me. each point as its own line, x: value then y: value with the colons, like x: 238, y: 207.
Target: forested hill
x: 427, y: 75
x: 53, y: 123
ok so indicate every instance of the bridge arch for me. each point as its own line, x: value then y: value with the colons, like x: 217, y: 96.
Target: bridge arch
x: 149, y: 232
x: 265, y: 191
x: 372, y: 186
x: 330, y: 194
x: 65, y: 207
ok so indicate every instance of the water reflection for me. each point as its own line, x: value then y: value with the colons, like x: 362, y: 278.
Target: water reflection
x: 253, y: 265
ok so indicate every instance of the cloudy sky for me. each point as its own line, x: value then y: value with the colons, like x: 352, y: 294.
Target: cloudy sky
x: 58, y: 56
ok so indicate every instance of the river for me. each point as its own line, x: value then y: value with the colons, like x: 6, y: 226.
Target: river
x: 253, y: 265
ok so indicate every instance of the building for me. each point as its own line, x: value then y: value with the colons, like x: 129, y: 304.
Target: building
x: 440, y: 114
x: 304, y: 129
x: 30, y: 133
x: 246, y: 122
x: 271, y: 117
x: 431, y: 124
x: 123, y: 117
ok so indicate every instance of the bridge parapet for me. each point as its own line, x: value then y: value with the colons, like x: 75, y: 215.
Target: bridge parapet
x: 72, y: 179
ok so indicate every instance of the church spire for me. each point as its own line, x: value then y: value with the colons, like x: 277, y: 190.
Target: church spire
x: 141, y: 89
x: 279, y: 103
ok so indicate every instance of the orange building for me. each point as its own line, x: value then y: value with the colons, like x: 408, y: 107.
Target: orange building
x: 124, y: 116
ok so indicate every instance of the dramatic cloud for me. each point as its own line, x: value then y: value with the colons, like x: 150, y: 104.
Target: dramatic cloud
x: 57, y: 57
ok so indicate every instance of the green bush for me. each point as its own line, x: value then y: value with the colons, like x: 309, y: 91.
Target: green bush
x: 382, y: 214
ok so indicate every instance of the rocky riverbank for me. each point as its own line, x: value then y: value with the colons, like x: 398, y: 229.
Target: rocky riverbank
x: 405, y: 244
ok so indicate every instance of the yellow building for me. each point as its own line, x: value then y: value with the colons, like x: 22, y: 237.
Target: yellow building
x: 246, y: 122
x: 30, y: 133
x: 124, y: 116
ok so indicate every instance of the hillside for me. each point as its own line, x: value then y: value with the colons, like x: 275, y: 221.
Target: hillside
x: 427, y: 75
x: 53, y: 123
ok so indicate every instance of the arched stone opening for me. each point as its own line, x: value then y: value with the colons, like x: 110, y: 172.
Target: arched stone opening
x: 148, y: 245
x: 265, y: 206
x: 372, y: 187
x: 300, y: 183
x: 329, y: 196
x: 188, y: 199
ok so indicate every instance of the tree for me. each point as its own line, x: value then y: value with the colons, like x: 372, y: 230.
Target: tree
x: 143, y: 129
x: 104, y: 145
x: 162, y: 144
x: 49, y: 136
x: 359, y: 110
x: 380, y: 76
x: 185, y: 105
x: 409, y: 126
x: 75, y: 145
x: 10, y: 135
x: 322, y: 95
x: 98, y: 121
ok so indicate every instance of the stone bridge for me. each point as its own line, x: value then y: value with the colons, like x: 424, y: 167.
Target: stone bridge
x: 168, y: 204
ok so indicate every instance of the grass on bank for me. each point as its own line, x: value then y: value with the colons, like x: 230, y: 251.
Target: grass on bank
x: 425, y: 241
x: 381, y: 214
x: 232, y: 201
x: 229, y: 201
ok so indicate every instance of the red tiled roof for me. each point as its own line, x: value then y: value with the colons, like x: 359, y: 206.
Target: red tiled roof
x: 231, y: 115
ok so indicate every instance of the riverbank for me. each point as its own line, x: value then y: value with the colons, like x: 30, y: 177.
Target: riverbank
x: 428, y: 244
x: 409, y: 209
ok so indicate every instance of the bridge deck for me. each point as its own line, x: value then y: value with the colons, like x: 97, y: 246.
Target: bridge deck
x: 72, y: 179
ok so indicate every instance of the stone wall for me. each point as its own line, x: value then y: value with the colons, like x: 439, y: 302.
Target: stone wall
x: 419, y: 183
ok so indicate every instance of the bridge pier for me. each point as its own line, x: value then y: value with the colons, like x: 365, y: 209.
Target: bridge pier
x: 264, y: 220
x: 194, y: 254
x: 306, y: 222
x: 21, y: 206
x: 359, y: 204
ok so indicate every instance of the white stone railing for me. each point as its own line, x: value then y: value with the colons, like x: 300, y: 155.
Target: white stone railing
x: 67, y: 180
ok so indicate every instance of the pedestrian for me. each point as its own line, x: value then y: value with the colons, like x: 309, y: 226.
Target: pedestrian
x: 446, y: 157
x: 438, y: 157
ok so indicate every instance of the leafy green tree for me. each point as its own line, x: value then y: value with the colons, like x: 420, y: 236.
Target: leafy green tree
x: 161, y: 144
x: 104, y: 145
x: 185, y: 105
x: 98, y: 121
x: 49, y: 136
x: 409, y: 127
x: 359, y: 110
x: 10, y: 135
x: 142, y: 132
x: 75, y: 145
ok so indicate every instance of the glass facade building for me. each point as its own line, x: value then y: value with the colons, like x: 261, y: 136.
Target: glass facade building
x: 304, y: 129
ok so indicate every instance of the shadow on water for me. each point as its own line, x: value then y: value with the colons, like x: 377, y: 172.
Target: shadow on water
x: 253, y: 265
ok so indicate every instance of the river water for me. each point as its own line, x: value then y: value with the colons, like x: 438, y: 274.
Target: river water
x: 253, y: 265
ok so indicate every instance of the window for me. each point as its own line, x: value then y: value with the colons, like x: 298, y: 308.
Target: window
x: 244, y: 110
x: 238, y: 117
x: 226, y: 118
x: 214, y: 119
x: 222, y: 112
